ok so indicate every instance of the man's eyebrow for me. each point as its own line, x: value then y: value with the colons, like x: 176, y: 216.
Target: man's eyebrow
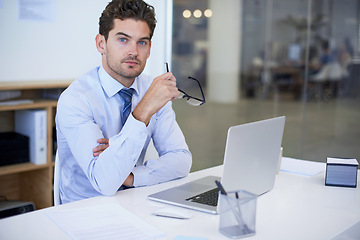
x: 127, y: 35
x: 145, y: 38
x: 124, y: 34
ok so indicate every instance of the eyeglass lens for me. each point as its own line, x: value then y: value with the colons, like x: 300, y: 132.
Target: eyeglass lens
x: 190, y: 100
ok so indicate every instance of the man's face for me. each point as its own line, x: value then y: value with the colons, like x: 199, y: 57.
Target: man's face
x: 127, y: 50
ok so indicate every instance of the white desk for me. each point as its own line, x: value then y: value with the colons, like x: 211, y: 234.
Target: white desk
x: 298, y: 207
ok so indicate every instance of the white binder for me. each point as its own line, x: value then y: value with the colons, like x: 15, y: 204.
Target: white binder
x: 32, y: 123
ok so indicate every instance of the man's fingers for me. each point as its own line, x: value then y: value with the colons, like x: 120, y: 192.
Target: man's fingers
x: 100, y: 148
x: 169, y: 76
x: 104, y: 143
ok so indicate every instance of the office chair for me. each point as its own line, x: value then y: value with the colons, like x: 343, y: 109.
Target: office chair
x: 57, y: 180
x: 325, y: 81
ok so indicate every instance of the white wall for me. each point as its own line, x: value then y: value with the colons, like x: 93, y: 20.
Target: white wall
x: 162, y: 39
x: 65, y: 47
x: 59, y: 49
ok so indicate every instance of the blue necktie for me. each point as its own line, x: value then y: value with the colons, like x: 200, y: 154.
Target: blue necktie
x: 126, y: 94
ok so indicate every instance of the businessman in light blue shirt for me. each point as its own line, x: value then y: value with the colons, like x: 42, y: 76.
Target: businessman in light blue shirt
x: 100, y: 151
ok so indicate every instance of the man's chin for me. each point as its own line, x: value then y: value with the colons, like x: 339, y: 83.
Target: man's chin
x: 132, y: 72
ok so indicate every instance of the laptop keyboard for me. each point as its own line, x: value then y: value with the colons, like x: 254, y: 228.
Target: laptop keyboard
x: 209, y: 198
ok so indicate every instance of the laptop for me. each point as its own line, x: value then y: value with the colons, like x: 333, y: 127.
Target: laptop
x: 250, y: 163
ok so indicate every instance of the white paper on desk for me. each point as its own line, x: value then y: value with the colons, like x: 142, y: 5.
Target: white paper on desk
x: 301, y: 167
x: 103, y: 222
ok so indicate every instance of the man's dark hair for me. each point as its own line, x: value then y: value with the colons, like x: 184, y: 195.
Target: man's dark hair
x: 125, y: 9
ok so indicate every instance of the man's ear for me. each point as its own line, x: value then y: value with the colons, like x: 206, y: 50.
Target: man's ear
x: 100, y: 43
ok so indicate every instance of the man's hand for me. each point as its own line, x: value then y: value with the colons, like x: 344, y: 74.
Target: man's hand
x: 129, y: 181
x: 162, y: 90
x: 104, y: 144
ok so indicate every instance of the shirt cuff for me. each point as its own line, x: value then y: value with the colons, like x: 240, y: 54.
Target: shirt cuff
x: 141, y: 175
x: 132, y: 123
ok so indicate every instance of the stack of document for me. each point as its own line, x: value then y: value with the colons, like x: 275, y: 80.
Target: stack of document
x: 103, y: 222
x: 301, y: 167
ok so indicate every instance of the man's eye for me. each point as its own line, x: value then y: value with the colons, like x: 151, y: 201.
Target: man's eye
x: 123, y: 40
x: 143, y: 42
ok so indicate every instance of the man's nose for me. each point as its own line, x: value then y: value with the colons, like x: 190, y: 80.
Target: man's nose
x: 133, y: 49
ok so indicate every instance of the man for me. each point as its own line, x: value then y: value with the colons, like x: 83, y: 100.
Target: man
x: 93, y: 108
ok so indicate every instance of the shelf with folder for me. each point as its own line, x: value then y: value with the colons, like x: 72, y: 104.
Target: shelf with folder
x: 28, y: 181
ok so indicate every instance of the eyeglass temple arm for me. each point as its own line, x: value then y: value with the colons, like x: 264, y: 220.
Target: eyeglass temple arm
x: 202, y: 93
x: 185, y: 94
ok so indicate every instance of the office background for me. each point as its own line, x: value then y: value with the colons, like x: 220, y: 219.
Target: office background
x: 267, y: 51
x: 254, y: 58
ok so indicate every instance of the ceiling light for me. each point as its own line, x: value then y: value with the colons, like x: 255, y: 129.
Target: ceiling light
x: 197, y: 13
x: 208, y: 13
x: 186, y: 13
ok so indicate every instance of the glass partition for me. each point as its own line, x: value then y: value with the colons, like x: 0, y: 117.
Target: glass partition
x: 258, y: 59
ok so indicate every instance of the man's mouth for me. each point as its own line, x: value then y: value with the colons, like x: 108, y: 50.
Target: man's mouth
x: 132, y: 63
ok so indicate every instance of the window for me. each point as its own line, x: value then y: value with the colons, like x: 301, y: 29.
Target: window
x: 265, y: 59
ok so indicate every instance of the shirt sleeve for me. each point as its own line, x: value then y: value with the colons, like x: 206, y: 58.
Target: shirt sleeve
x: 174, y: 160
x: 108, y: 171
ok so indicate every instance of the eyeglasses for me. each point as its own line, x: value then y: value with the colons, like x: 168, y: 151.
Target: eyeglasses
x: 194, y: 101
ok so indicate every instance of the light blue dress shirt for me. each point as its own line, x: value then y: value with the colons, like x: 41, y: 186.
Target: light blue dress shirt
x: 89, y: 109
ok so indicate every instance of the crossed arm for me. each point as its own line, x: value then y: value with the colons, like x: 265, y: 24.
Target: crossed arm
x: 103, y: 144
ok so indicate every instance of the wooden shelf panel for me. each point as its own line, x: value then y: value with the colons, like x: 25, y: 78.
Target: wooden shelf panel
x: 34, y: 186
x: 21, y: 167
x: 40, y: 103
x: 23, y: 85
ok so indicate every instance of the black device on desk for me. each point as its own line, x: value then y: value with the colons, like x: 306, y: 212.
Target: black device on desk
x: 10, y: 208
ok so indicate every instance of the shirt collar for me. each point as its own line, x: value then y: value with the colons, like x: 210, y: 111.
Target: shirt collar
x: 112, y: 86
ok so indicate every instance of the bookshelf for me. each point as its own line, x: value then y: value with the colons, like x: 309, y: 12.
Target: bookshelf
x: 27, y: 181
